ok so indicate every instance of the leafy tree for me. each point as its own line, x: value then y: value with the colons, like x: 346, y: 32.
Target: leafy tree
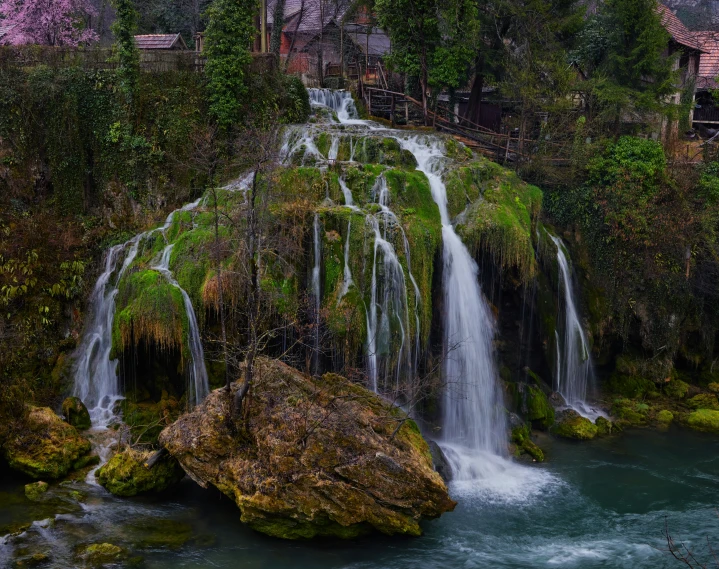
x: 125, y: 50
x: 227, y: 39
x: 48, y: 22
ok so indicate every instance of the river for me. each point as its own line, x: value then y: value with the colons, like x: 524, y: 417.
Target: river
x: 596, y: 504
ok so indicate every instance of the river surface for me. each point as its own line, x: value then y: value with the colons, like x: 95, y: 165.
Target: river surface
x: 597, y: 504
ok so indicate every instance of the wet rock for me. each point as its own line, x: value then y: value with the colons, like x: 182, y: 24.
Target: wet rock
x: 103, y: 553
x: 46, y: 447
x: 155, y: 533
x: 604, y: 426
x: 571, y: 425
x: 125, y: 474
x: 557, y: 400
x: 704, y: 401
x: 677, y: 389
x: 75, y: 413
x: 713, y: 387
x: 521, y: 437
x: 440, y: 462
x: 34, y: 560
x: 314, y: 457
x: 664, y: 418
x: 706, y: 420
x: 35, y: 490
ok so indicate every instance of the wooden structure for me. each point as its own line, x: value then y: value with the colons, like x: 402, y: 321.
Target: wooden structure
x: 155, y: 42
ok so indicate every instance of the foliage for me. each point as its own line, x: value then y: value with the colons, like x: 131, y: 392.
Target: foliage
x: 229, y: 32
x: 48, y: 22
x: 126, y: 53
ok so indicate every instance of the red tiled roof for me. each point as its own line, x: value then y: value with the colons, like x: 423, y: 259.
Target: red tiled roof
x: 676, y: 29
x: 160, y: 41
x: 709, y: 60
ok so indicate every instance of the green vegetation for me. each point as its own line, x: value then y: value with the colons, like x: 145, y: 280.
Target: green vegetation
x: 125, y: 474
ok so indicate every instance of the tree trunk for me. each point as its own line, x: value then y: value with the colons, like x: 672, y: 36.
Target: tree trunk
x: 252, y: 300
x: 294, y: 35
x: 423, y: 80
x: 474, y: 105
x: 278, y: 22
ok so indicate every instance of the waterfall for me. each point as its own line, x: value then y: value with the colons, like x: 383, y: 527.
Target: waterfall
x: 473, y: 408
x: 340, y: 102
x: 347, y: 275
x: 96, y: 381
x: 573, y: 374
x: 197, y: 372
x: 316, y: 288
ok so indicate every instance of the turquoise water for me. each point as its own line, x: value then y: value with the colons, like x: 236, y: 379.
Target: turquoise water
x: 597, y: 504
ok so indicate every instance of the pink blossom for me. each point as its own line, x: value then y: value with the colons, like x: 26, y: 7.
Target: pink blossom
x: 47, y: 22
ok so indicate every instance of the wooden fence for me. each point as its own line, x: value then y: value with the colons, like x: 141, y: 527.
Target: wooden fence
x: 155, y: 61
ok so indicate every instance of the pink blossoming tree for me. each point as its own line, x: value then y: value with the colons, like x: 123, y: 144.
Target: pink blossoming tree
x: 47, y: 22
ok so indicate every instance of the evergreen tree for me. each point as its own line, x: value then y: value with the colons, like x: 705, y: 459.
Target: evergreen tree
x: 230, y: 31
x: 125, y: 51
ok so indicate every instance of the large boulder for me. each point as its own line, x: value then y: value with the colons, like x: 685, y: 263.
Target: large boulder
x: 311, y: 457
x: 706, y: 420
x: 76, y: 413
x: 46, y: 446
x: 126, y: 473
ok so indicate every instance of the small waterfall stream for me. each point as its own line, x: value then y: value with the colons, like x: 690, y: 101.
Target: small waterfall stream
x: 574, y: 372
x: 96, y: 379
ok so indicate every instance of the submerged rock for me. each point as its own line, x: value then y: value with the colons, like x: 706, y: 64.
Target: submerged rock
x: 46, y: 447
x: 521, y: 437
x: 76, y: 413
x: 125, y: 474
x: 35, y: 490
x: 103, y: 553
x: 314, y: 457
x: 440, y: 462
x: 571, y: 425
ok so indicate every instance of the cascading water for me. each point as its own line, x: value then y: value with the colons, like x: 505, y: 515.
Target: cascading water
x: 198, y: 382
x: 473, y: 410
x: 574, y: 373
x: 316, y: 288
x: 96, y: 378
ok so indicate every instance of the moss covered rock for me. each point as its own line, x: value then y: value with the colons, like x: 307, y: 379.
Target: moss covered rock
x: 704, y: 401
x: 298, y: 471
x: 35, y: 490
x: 46, y: 447
x: 629, y: 413
x: 125, y: 474
x: 103, y: 553
x: 677, y: 389
x: 706, y: 420
x: 604, y: 426
x: 571, y: 425
x: 521, y: 436
x: 664, y: 418
x: 75, y: 413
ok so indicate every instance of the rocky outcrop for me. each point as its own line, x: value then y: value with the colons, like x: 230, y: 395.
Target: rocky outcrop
x: 126, y: 473
x: 76, y: 413
x: 313, y: 457
x: 46, y: 446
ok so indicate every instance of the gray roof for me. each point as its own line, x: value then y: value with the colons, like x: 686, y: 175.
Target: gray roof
x: 160, y: 41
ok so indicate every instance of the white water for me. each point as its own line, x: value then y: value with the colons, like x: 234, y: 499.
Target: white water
x: 347, y: 273
x: 198, y: 382
x: 316, y: 288
x: 96, y: 380
x: 574, y: 373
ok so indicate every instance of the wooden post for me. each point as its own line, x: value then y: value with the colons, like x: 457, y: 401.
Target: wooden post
x: 263, y: 26
x: 406, y: 112
x: 391, y: 112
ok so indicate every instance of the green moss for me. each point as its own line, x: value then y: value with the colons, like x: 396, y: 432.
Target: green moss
x: 676, y: 388
x: 706, y: 420
x: 125, y: 474
x: 539, y: 409
x: 522, y: 438
x: 665, y: 417
x: 75, y: 413
x: 704, y: 401
x: 574, y: 426
x: 501, y: 223
x: 36, y: 490
x: 628, y: 386
x: 103, y: 553
x: 630, y: 413
x: 149, y: 309
x: 604, y: 427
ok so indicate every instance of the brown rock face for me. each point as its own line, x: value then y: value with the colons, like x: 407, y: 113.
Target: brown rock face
x: 314, y: 457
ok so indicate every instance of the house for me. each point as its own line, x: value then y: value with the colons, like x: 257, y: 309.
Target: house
x: 685, y: 43
x: 706, y: 112
x: 168, y: 42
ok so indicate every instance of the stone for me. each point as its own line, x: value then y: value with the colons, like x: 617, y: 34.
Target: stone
x: 706, y: 420
x: 312, y: 457
x: 35, y: 490
x: 440, y: 462
x: 125, y: 474
x: 103, y: 553
x: 76, y: 414
x: 557, y: 400
x: 34, y: 560
x: 571, y: 425
x: 704, y: 401
x: 604, y: 426
x: 713, y: 387
x: 45, y: 446
x: 676, y: 389
x: 664, y: 419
